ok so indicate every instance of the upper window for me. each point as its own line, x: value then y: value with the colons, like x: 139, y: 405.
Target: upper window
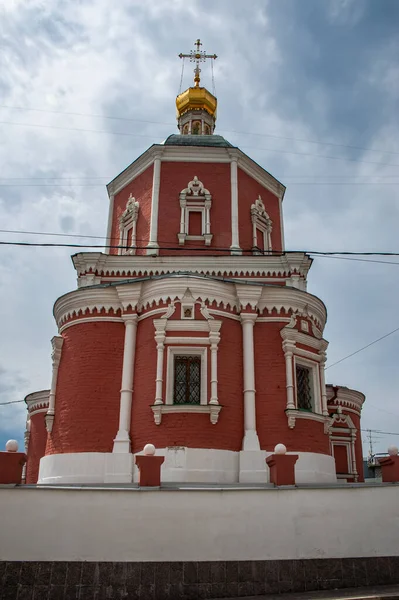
x: 261, y: 228
x: 187, y: 379
x: 304, y: 388
x: 127, y: 227
x: 195, y: 220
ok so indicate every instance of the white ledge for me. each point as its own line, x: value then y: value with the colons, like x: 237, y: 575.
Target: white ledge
x: 294, y: 414
x: 212, y: 410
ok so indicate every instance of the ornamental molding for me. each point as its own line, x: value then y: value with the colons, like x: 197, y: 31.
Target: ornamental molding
x: 295, y: 336
x: 37, y: 402
x: 346, y: 397
x: 130, y: 213
x: 102, y: 265
x: 163, y: 409
x: 339, y: 418
x: 86, y: 301
x: 294, y: 414
x: 141, y: 164
x: 295, y: 301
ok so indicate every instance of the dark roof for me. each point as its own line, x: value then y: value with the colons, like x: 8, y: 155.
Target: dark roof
x: 216, y: 141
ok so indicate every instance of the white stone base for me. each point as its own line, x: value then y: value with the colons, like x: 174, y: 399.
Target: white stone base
x: 253, y: 467
x: 185, y: 465
x: 86, y: 467
x: 197, y: 465
x: 314, y: 468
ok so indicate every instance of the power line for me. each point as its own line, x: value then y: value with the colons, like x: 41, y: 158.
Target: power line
x: 293, y: 183
x: 363, y: 348
x: 170, y: 124
x: 382, y: 432
x: 11, y: 402
x: 128, y: 134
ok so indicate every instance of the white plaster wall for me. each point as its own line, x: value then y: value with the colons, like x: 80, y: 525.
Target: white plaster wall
x: 128, y: 524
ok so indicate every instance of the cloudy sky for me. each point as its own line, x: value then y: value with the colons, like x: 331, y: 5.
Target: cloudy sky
x: 308, y: 88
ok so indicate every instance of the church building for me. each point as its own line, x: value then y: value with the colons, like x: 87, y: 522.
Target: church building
x: 194, y: 330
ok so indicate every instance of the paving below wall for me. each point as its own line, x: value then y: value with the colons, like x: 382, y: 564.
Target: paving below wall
x: 188, y: 580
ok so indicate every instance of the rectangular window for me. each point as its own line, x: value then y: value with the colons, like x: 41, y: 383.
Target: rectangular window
x: 187, y: 379
x: 195, y: 223
x: 304, y: 391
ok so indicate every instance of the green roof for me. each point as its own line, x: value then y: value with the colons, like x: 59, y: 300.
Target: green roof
x: 216, y: 141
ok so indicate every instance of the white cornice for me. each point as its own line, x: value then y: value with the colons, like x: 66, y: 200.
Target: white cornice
x: 289, y: 299
x: 37, y: 402
x: 345, y: 397
x: 196, y: 154
x: 233, y: 266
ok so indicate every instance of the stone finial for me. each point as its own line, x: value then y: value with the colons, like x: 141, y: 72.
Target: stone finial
x: 280, y: 449
x: 149, y: 450
x: 12, y: 446
x: 393, y: 450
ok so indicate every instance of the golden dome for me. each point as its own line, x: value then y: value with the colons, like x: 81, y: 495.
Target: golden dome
x: 196, y: 98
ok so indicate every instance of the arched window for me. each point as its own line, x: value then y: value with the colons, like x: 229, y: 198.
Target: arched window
x: 127, y: 227
x: 261, y: 228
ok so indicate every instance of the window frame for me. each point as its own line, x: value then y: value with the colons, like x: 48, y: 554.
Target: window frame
x: 315, y: 382
x: 170, y: 372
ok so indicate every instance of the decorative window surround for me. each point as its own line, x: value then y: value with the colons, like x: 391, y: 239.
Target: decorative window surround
x: 262, y: 222
x: 336, y: 437
x: 57, y: 343
x: 313, y: 361
x: 165, y: 409
x: 294, y: 414
x: 197, y: 199
x: 127, y: 223
x: 198, y: 347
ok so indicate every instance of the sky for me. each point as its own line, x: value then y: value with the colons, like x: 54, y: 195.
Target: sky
x: 308, y: 89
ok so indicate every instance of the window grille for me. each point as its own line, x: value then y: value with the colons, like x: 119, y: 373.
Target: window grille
x: 304, y: 388
x: 187, y: 380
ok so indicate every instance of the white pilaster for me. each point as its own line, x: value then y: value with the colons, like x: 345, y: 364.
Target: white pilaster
x: 152, y: 247
x: 288, y: 348
x: 160, y: 334
x: 322, y: 363
x: 214, y: 338
x: 122, y: 440
x: 56, y: 343
x: 109, y: 240
x: 235, y: 243
x: 250, y: 441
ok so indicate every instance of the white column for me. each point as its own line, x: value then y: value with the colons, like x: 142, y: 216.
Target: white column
x: 288, y: 348
x: 324, y: 408
x: 110, y: 241
x: 122, y: 440
x: 235, y: 243
x: 56, y: 343
x: 152, y: 247
x: 214, y: 338
x: 250, y: 441
x: 354, y: 466
x: 207, y: 217
x: 160, y: 340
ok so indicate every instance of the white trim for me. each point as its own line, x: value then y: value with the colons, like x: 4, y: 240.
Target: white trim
x: 187, y: 340
x: 182, y: 325
x: 56, y: 343
x: 261, y: 266
x: 280, y: 203
x: 109, y: 225
x: 273, y: 320
x: 235, y: 241
x: 152, y: 246
x: 89, y: 320
x: 170, y: 372
x: 251, y: 440
x: 164, y: 409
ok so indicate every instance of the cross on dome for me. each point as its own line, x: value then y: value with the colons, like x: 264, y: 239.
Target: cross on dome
x: 197, y: 56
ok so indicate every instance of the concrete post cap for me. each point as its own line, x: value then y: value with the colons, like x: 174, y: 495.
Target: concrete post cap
x: 393, y: 450
x: 280, y: 449
x: 12, y: 446
x: 149, y: 450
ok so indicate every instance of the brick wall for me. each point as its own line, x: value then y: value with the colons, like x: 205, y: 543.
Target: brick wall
x: 36, y: 447
x: 88, y: 389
